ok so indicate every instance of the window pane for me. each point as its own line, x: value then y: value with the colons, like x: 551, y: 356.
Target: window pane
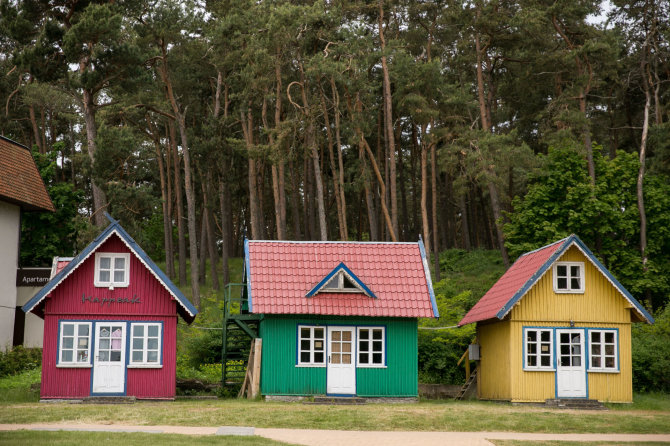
x: 376, y: 358
x: 82, y: 343
x: 304, y: 344
x: 115, y: 356
x: 545, y: 336
x: 304, y: 332
x: 532, y: 361
x: 609, y: 337
x: 363, y: 346
x: 104, y: 356
x: 562, y: 283
x: 574, y: 284
x: 138, y: 330
x: 82, y: 330
x: 152, y: 344
x: 104, y: 343
x: 116, y: 332
x: 595, y: 361
x: 531, y: 335
x: 152, y: 356
x: 336, y: 347
x: 104, y: 276
x: 119, y: 276
x: 66, y: 356
x: 318, y: 357
x: 609, y: 350
x: 574, y: 270
x: 609, y: 363
x: 348, y: 284
x: 346, y: 347
x: 364, y: 334
x: 363, y: 358
x: 377, y: 346
x: 318, y: 345
x: 576, y: 361
x: 346, y: 359
x: 68, y: 343
x: 304, y: 357
x: 137, y: 356
x: 595, y: 349
x: 318, y: 333
x: 68, y: 329
x: 82, y: 355
x: 565, y: 361
x: 337, y: 335
x: 120, y: 263
x: 565, y: 349
x: 546, y: 361
x: 335, y: 358
x: 153, y: 330
x: 595, y: 336
x: 376, y: 334
x: 105, y: 262
x: 532, y: 348
x: 561, y: 270
x: 138, y: 343
x: 565, y: 338
x: 333, y: 283
x: 346, y: 336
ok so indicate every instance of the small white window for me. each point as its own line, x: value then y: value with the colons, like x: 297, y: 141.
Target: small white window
x: 603, y: 351
x: 371, y: 347
x: 341, y: 282
x: 74, y: 344
x: 145, y: 344
x: 569, y: 277
x: 538, y: 349
x: 112, y: 269
x: 311, y: 346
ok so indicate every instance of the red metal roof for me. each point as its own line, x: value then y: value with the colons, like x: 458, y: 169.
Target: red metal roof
x: 20, y: 181
x: 511, y: 283
x: 281, y: 274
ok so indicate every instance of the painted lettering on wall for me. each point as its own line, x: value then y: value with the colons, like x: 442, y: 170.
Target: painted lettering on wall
x: 110, y: 300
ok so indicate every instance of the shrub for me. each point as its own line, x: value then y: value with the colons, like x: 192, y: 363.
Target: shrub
x: 651, y: 354
x: 19, y: 359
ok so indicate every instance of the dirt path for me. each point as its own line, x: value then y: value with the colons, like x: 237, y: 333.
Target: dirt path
x: 309, y: 437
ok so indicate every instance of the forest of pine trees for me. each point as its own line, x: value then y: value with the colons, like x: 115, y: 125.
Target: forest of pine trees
x: 473, y: 124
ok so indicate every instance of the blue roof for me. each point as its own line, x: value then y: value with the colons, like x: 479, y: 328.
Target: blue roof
x: 349, y: 273
x: 189, y: 311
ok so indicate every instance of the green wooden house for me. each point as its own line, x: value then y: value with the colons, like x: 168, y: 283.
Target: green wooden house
x: 337, y: 318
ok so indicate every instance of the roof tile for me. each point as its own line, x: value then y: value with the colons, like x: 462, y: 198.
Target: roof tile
x: 20, y: 181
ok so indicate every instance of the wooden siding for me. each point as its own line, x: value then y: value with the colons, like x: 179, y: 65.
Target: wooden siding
x: 66, y: 299
x: 493, y: 380
x: 68, y: 382
x: 280, y: 376
x: 600, y: 306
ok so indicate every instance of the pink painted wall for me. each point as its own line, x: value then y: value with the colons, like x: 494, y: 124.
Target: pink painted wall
x: 65, y: 303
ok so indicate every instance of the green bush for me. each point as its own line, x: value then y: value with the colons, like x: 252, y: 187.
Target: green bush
x: 19, y: 359
x: 651, y: 354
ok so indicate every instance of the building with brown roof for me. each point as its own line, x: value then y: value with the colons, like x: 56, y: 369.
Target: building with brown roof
x: 21, y: 190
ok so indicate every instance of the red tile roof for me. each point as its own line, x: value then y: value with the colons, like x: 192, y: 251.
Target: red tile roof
x: 281, y: 274
x: 20, y: 181
x: 512, y: 285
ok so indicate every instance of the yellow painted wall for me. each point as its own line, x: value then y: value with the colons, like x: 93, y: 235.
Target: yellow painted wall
x: 600, y: 306
x: 493, y: 380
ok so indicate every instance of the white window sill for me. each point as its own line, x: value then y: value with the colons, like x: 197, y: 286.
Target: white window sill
x: 371, y: 366
x: 73, y: 366
x: 603, y: 371
x: 528, y: 369
x: 568, y: 291
x: 145, y: 366
x: 310, y: 365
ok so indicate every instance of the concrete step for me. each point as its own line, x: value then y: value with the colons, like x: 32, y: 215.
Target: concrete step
x: 109, y: 400
x: 575, y: 403
x: 337, y: 400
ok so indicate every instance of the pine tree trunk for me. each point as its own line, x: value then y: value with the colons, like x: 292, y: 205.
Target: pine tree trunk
x: 181, y: 233
x: 202, y: 277
x: 424, y: 192
x: 224, y: 202
x: 99, y: 198
x: 436, y: 235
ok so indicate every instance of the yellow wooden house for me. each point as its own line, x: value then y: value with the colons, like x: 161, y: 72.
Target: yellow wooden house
x: 556, y: 325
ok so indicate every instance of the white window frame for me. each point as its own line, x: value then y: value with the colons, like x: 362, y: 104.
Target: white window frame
x: 369, y: 363
x: 312, y: 344
x: 75, y: 343
x: 112, y: 284
x: 602, y: 354
x: 145, y: 364
x: 538, y: 354
x: 340, y: 284
x: 569, y: 289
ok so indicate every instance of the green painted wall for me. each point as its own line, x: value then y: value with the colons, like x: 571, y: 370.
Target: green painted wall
x: 280, y: 376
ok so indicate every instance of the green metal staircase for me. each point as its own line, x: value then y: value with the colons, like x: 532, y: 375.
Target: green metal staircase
x: 239, y: 329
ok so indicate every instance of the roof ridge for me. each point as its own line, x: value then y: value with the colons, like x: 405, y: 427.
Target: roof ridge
x: 332, y: 242
x: 546, y: 246
x: 14, y: 142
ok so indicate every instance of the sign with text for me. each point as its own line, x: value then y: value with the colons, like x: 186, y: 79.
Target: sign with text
x: 36, y: 277
x: 110, y: 300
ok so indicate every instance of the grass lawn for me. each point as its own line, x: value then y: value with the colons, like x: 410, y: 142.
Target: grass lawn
x: 127, y: 439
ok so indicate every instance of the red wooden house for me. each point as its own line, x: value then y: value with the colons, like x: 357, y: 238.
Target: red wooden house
x: 110, y: 323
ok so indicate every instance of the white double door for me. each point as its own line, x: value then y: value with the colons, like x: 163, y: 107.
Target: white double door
x: 109, y: 359
x: 341, y: 370
x: 570, y: 364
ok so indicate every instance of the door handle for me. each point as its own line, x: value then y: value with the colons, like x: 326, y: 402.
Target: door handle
x: 328, y: 359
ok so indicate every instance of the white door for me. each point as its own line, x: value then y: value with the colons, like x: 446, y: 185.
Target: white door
x: 341, y: 373
x: 570, y: 367
x: 109, y: 360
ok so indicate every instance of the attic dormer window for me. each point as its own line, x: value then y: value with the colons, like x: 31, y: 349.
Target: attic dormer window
x: 341, y: 280
x: 569, y: 277
x: 112, y: 270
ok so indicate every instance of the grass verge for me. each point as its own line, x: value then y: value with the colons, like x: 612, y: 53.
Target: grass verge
x: 127, y: 439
